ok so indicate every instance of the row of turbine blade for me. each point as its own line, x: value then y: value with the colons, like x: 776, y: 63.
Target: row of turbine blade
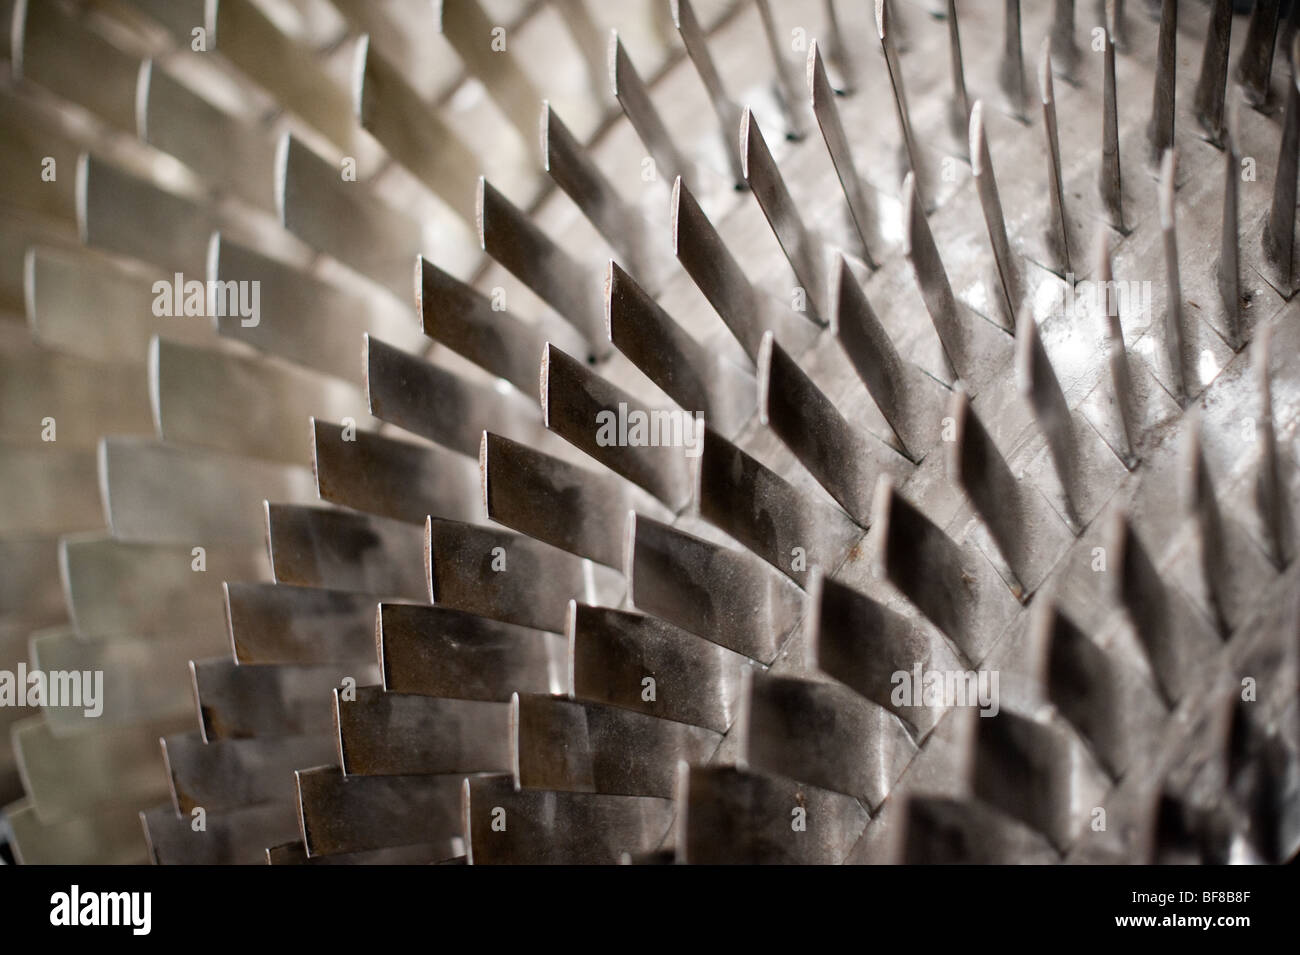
x: 599, y: 770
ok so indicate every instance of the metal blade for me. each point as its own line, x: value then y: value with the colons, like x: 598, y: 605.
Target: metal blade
x: 614, y: 653
x: 579, y: 405
x: 709, y: 589
x: 72, y: 775
x: 862, y: 207
x: 210, y: 398
x: 345, y: 219
x: 910, y: 400
x: 441, y: 405
x: 746, y: 311
x: 889, y: 47
x: 576, y: 746
x: 1255, y: 62
x: 236, y: 702
x: 619, y: 222
x: 1110, y: 183
x: 693, y: 375
x: 1015, y: 755
x: 522, y: 489
x: 433, y: 651
x: 349, y: 814
x: 805, y: 252
x: 274, y: 623
x: 317, y: 324
x: 1279, y: 225
x: 50, y: 490
x: 238, y: 837
x: 1058, y: 230
x: 58, y: 283
x: 413, y: 132
x: 1108, y: 704
x: 283, y: 65
x: 844, y: 460
x: 864, y: 644
x: 697, y: 48
x: 1213, y: 81
x: 786, y: 83
x: 509, y: 577
x: 397, y: 734
x: 953, y: 831
x: 151, y: 491
x: 109, y: 837
x: 467, y: 322
x: 540, y: 263
x: 948, y: 583
x: 469, y: 30
x: 732, y: 816
x: 54, y: 49
x: 227, y: 774
x: 38, y: 387
x: 969, y: 351
x: 824, y: 734
x: 1027, y: 532
x: 119, y: 588
x: 789, y: 529
x: 397, y: 479
x: 322, y: 547
x: 173, y: 118
x: 1010, y: 286
x: 505, y: 825
x: 634, y: 97
x: 123, y: 681
x: 1011, y: 72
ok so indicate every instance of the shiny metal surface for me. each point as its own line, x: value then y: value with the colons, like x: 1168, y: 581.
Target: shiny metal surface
x: 588, y: 651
